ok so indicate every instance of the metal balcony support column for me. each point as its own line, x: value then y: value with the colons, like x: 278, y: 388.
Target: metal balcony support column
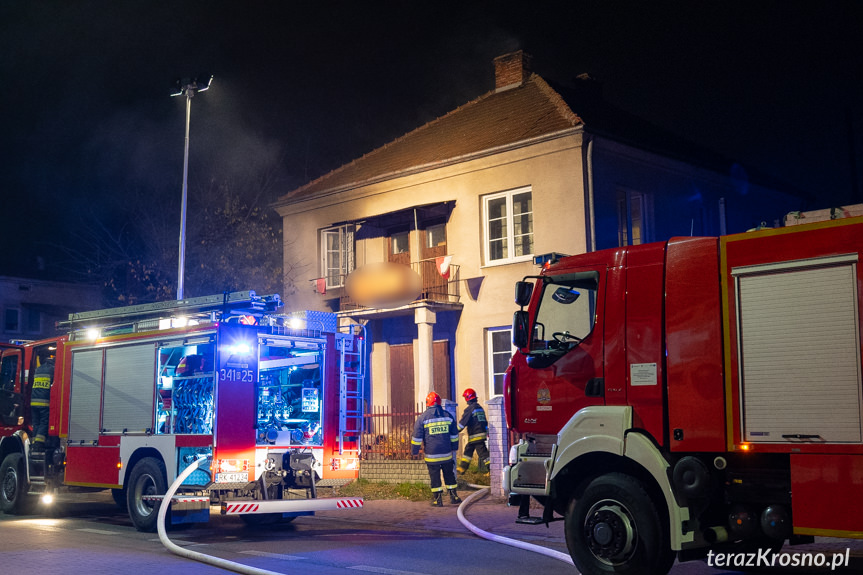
x: 425, y: 319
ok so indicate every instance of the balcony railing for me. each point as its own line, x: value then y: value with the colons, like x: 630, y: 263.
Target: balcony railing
x: 435, y: 287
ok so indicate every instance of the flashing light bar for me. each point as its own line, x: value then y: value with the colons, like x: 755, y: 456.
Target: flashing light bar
x: 549, y: 258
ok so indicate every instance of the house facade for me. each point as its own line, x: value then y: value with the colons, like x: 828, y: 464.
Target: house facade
x: 471, y: 199
x: 32, y: 307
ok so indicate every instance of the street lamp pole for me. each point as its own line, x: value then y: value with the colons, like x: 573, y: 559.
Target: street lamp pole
x: 188, y: 88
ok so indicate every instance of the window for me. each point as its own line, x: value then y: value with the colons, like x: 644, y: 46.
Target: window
x: 632, y: 215
x: 436, y: 236
x: 568, y: 309
x: 337, y: 254
x: 500, y: 350
x: 508, y: 226
x: 401, y: 243
x: 12, y: 320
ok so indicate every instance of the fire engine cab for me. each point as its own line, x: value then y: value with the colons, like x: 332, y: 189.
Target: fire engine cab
x: 272, y: 401
x: 692, y: 395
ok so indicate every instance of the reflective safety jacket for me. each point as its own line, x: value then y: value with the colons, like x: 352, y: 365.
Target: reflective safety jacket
x: 475, y: 422
x: 42, y: 379
x: 436, y: 431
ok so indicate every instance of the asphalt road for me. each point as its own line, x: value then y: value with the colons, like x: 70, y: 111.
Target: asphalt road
x: 93, y: 537
x: 88, y: 535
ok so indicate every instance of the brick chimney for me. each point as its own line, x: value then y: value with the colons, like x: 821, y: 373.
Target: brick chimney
x: 511, y: 70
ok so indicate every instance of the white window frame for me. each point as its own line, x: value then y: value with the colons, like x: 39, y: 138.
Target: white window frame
x: 510, y: 228
x: 490, y: 353
x: 345, y: 241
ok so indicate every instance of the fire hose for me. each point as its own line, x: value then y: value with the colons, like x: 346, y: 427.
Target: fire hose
x: 483, y: 491
x: 189, y: 554
x: 246, y: 569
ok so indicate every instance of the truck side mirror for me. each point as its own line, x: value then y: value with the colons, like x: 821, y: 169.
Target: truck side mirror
x: 523, y: 290
x: 520, y: 333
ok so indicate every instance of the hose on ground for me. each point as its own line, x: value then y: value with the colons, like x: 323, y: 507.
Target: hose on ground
x: 483, y: 491
x: 189, y: 554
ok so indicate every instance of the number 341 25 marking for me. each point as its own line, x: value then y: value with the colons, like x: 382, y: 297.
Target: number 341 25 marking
x: 241, y: 375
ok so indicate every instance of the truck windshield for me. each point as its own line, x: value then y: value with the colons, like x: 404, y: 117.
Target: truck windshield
x: 567, y: 310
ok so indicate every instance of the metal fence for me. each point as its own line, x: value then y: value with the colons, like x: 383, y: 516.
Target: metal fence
x: 387, y: 434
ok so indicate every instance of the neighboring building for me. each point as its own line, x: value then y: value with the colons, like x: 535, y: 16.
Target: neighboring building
x: 522, y: 170
x: 31, y: 307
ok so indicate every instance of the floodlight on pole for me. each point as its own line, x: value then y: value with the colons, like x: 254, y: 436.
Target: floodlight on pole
x: 187, y: 87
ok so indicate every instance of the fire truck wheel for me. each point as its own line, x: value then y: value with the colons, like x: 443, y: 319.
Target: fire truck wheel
x: 13, y: 491
x: 148, y: 477
x: 614, y: 527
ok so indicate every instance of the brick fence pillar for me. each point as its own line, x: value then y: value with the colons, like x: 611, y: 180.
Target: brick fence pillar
x: 498, y: 444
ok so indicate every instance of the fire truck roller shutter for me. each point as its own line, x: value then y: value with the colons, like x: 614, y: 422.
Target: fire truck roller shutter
x: 86, y: 396
x: 129, y: 383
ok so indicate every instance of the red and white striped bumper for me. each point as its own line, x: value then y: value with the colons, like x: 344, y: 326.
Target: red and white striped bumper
x: 291, y: 505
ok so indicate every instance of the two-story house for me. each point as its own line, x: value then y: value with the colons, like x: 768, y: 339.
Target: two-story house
x: 469, y: 199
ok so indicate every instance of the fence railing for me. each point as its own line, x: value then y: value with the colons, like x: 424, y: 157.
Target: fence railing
x: 387, y: 433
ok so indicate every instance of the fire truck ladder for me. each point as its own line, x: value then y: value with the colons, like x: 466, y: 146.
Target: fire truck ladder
x: 351, y: 364
x: 147, y: 316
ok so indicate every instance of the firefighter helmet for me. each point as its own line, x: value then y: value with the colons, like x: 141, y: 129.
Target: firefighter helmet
x: 432, y: 399
x: 469, y: 394
x: 189, y: 365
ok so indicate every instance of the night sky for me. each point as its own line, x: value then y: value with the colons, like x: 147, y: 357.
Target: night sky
x: 86, y: 117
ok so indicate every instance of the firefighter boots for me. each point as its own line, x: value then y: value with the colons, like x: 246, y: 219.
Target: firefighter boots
x: 437, y: 499
x: 453, y: 497
x: 463, y: 465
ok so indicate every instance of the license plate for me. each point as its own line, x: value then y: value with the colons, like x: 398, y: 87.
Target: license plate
x: 232, y: 477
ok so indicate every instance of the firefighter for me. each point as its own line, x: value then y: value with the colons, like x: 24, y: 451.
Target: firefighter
x: 40, y: 397
x: 477, y: 432
x: 436, y: 432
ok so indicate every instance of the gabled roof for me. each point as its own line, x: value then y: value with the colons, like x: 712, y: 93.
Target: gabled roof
x: 511, y: 116
x: 496, y: 119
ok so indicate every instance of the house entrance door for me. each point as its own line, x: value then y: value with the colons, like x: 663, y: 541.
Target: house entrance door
x: 402, y: 391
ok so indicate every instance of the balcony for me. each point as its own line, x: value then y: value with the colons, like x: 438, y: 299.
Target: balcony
x: 435, y: 287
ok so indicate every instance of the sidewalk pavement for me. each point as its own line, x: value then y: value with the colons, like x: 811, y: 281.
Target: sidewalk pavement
x: 487, y: 513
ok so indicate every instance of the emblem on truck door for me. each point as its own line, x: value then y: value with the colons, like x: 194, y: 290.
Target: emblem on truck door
x: 543, y: 397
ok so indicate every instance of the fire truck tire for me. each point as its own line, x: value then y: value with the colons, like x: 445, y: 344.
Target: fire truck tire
x: 148, y: 477
x: 614, y: 527
x: 13, y: 489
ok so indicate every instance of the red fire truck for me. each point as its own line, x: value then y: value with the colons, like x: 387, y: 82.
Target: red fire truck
x: 272, y: 401
x: 697, y: 394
